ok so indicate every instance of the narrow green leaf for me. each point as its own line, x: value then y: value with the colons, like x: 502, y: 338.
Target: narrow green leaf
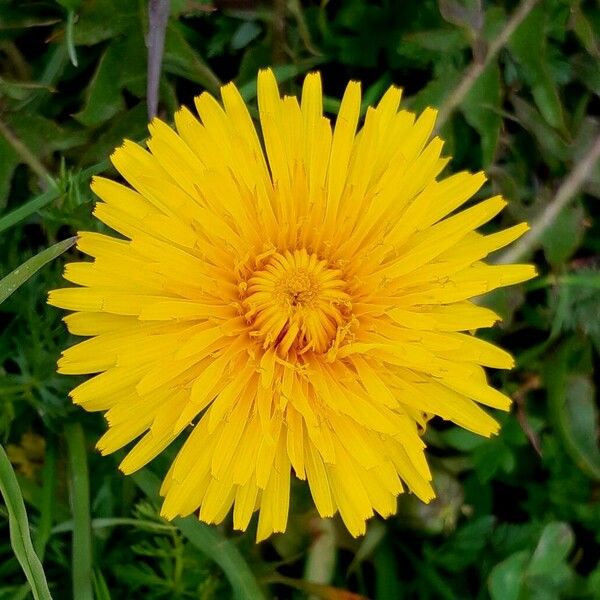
x: 585, y: 30
x: 20, y: 538
x: 245, y: 33
x: 30, y: 267
x: 79, y: 493
x: 69, y: 37
x: 29, y: 208
x: 387, y: 582
x: 210, y: 542
x: 101, y: 591
x: 554, y: 546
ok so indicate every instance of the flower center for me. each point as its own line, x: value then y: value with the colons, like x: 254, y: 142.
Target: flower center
x: 296, y: 303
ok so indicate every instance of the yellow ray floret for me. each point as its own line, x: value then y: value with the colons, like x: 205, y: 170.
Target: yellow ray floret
x: 305, y: 309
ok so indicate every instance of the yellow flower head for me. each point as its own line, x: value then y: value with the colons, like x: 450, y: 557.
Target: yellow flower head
x: 302, y: 307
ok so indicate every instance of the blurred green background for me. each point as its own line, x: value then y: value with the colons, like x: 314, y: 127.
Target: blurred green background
x: 518, y: 516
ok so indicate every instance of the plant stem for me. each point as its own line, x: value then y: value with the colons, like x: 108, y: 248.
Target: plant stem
x: 158, y: 17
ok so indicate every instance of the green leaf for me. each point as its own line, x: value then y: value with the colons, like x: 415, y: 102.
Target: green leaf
x: 563, y: 236
x: 553, y: 148
x: 245, y: 33
x: 79, y: 493
x: 542, y: 575
x: 506, y: 578
x: 528, y: 46
x: 104, y: 98
x: 482, y: 109
x: 574, y: 413
x: 103, y: 19
x: 20, y: 538
x: 182, y: 60
x: 387, y: 581
x: 548, y: 573
x: 15, y: 279
x: 466, y: 545
x: 101, y: 591
x: 575, y: 303
x: 555, y: 543
x: 579, y: 423
x: 584, y: 30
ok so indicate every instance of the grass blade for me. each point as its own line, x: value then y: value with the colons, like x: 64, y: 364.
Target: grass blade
x: 27, y: 209
x: 211, y: 543
x: 79, y: 493
x: 20, y: 538
x: 101, y: 591
x: 20, y: 275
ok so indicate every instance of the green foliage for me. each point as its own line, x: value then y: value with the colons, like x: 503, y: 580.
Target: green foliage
x: 10, y: 283
x: 517, y: 516
x: 19, y: 530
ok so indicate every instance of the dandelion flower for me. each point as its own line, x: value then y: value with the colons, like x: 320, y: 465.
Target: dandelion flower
x: 303, y: 308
